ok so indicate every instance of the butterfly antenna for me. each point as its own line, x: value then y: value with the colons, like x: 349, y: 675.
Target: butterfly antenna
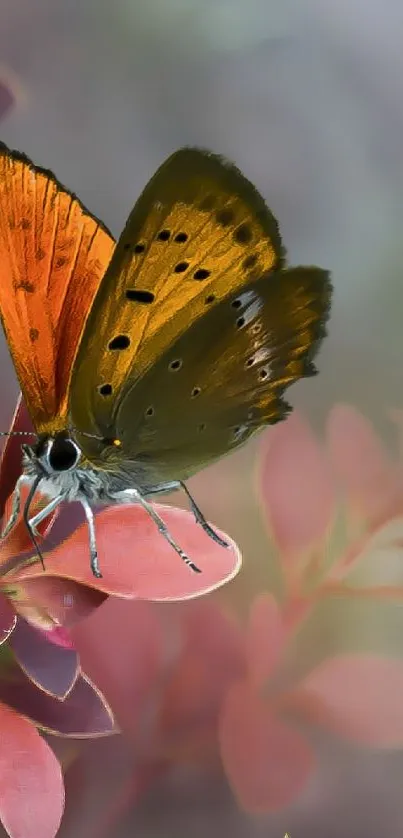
x: 26, y: 518
x: 18, y: 433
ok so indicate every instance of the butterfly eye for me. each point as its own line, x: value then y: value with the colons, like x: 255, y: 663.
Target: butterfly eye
x: 63, y: 454
x: 150, y: 411
x: 175, y: 365
x: 195, y: 392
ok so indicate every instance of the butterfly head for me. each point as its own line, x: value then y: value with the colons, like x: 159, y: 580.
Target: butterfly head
x: 51, y: 455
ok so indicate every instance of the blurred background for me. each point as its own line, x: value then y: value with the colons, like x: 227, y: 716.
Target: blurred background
x: 306, y: 97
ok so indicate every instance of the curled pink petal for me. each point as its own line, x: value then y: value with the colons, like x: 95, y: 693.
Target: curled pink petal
x: 31, y: 783
x: 265, y: 638
x: 296, y: 488
x: 267, y: 762
x: 52, y: 668
x: 360, y: 697
x: 137, y: 561
x: 59, y: 636
x: 48, y: 602
x: 83, y: 713
x: 372, y: 483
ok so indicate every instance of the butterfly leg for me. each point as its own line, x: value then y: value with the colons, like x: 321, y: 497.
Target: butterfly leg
x: 16, y: 505
x: 200, y: 519
x: 43, y: 513
x: 93, y: 541
x: 26, y: 518
x: 163, y: 529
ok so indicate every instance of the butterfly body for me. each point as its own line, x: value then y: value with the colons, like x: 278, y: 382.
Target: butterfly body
x: 143, y: 362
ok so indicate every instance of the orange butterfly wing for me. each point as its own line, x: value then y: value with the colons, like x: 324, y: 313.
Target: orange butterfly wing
x: 53, y: 255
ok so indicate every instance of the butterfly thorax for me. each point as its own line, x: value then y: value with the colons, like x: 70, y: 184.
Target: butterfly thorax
x: 59, y: 462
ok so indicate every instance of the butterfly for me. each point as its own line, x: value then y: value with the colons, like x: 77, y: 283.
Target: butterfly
x: 141, y: 362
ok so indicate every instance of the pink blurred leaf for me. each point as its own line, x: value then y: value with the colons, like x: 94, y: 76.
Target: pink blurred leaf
x: 380, y: 553
x: 31, y: 783
x: 265, y: 638
x: 212, y: 633
x: 7, y: 98
x: 137, y: 561
x: 213, y: 643
x: 296, y: 487
x: 120, y: 648
x: 361, y: 462
x: 267, y: 762
x: 358, y: 697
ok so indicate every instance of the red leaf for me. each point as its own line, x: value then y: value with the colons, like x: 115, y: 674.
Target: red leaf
x: 358, y: 697
x: 267, y: 762
x: 11, y: 458
x: 31, y: 783
x: 361, y: 462
x: 296, y: 487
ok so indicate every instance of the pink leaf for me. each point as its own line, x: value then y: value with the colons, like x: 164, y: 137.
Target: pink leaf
x: 296, y: 487
x: 265, y: 638
x: 137, y: 561
x: 31, y: 783
x: 358, y: 697
x: 213, y: 643
x: 267, y: 762
x: 361, y: 462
